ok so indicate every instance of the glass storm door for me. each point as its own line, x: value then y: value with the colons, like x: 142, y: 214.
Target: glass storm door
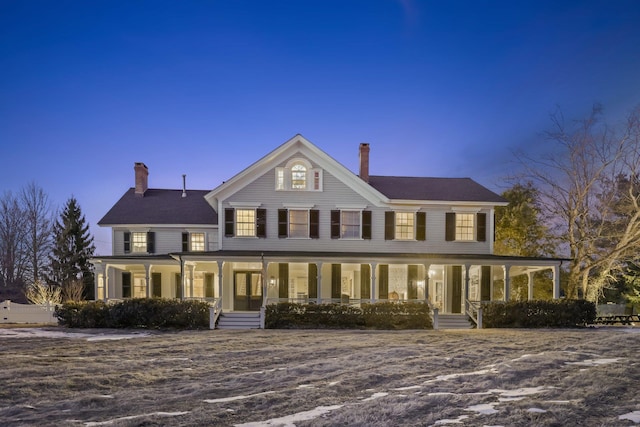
x: 247, y: 291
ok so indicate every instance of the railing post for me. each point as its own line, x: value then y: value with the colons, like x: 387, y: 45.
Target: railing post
x: 480, y: 317
x: 435, y: 318
x: 212, y: 317
x: 262, y: 314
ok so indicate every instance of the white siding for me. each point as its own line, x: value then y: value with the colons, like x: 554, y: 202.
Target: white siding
x: 167, y: 239
x: 337, y: 193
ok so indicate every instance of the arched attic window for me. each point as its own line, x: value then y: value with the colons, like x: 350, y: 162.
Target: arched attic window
x: 298, y: 177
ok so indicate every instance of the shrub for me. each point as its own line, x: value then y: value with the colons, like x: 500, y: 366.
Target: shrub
x: 382, y: 315
x: 150, y: 313
x: 538, y: 314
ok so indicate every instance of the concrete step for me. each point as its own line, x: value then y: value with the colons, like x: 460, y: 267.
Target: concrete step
x: 453, y: 321
x: 239, y: 320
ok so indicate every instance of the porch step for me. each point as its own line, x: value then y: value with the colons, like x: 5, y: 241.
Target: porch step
x: 453, y: 321
x: 239, y: 320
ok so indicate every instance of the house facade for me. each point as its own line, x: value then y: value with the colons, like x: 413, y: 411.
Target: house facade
x: 298, y: 226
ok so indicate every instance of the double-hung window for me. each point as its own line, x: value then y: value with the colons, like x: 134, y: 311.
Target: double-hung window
x: 350, y: 224
x: 404, y: 225
x: 245, y: 222
x: 197, y: 242
x: 466, y: 227
x: 298, y: 223
x: 138, y: 242
x: 298, y: 177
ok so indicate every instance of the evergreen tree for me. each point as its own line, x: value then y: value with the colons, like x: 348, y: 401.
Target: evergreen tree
x: 72, y: 249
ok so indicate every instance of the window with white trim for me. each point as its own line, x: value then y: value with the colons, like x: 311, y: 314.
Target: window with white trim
x: 139, y: 242
x: 404, y: 227
x: 279, y: 179
x: 350, y: 224
x: 298, y: 177
x: 197, y: 242
x: 465, y: 226
x: 245, y: 222
x: 298, y: 223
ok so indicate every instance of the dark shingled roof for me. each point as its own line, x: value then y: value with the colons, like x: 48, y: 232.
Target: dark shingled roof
x: 161, y: 207
x: 435, y: 189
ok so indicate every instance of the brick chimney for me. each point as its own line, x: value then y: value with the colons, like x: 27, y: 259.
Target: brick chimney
x: 142, y: 178
x: 364, y: 161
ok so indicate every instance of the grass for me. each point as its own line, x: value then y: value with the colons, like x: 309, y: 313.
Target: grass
x: 322, y: 378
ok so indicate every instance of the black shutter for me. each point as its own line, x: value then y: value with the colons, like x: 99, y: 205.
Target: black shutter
x: 229, y: 222
x: 366, y: 225
x: 482, y: 227
x: 314, y: 224
x: 365, y: 281
x: 335, y: 224
x: 383, y: 281
x: 185, y: 242
x: 283, y: 276
x: 208, y: 285
x: 336, y: 281
x: 412, y: 279
x: 313, y: 280
x: 151, y: 242
x: 282, y: 223
x: 126, y: 285
x: 127, y: 242
x: 178, y: 286
x: 389, y: 225
x: 450, y: 227
x: 261, y: 223
x: 485, y: 283
x: 421, y: 226
x: 156, y: 282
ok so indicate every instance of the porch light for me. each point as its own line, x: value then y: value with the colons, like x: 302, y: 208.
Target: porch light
x: 272, y: 281
x: 431, y: 274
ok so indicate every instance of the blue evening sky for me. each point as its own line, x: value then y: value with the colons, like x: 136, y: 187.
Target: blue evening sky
x: 205, y: 88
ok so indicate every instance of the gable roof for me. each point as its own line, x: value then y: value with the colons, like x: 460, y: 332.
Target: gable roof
x: 160, y: 206
x: 296, y: 145
x: 434, y: 189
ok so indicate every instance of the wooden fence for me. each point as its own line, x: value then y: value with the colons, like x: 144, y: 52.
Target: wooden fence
x: 11, y: 312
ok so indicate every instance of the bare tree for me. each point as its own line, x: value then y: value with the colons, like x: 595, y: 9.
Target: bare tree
x: 12, y: 238
x: 73, y: 290
x: 39, y: 232
x: 40, y: 293
x: 581, y: 181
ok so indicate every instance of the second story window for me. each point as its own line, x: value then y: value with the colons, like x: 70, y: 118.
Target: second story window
x: 197, y: 242
x: 299, y: 177
x: 465, y: 226
x: 138, y: 242
x: 404, y: 225
x: 298, y: 223
x: 245, y: 222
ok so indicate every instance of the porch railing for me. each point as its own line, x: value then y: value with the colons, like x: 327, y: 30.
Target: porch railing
x: 473, y: 309
x: 214, y: 312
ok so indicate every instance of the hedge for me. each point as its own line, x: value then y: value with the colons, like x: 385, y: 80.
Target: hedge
x: 538, y: 314
x: 382, y: 315
x: 149, y: 313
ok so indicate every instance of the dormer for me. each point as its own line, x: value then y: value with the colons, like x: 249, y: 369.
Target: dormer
x: 298, y: 175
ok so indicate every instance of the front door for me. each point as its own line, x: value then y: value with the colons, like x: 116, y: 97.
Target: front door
x: 247, y: 291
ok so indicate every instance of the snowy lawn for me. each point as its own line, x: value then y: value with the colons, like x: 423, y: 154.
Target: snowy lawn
x: 55, y: 376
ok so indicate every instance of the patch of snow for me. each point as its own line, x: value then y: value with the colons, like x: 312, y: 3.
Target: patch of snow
x: 442, y: 393
x: 375, y: 396
x: 524, y: 356
x: 306, y: 386
x: 332, y: 383
x: 593, y: 362
x: 461, y: 374
x: 289, y: 420
x: 483, y: 408
x: 133, y: 417
x: 240, y: 397
x: 519, y: 392
x: 451, y: 421
x: 46, y: 333
x: 510, y: 399
x: 536, y: 410
x: 411, y: 387
x: 631, y: 416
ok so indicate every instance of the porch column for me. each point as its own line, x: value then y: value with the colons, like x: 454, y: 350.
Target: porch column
x: 530, y: 283
x: 466, y: 283
x: 147, y: 270
x: 319, y: 269
x: 427, y: 267
x: 556, y: 282
x: 192, y: 268
x: 507, y: 284
x: 107, y: 289
x: 220, y: 263
x: 374, y: 265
